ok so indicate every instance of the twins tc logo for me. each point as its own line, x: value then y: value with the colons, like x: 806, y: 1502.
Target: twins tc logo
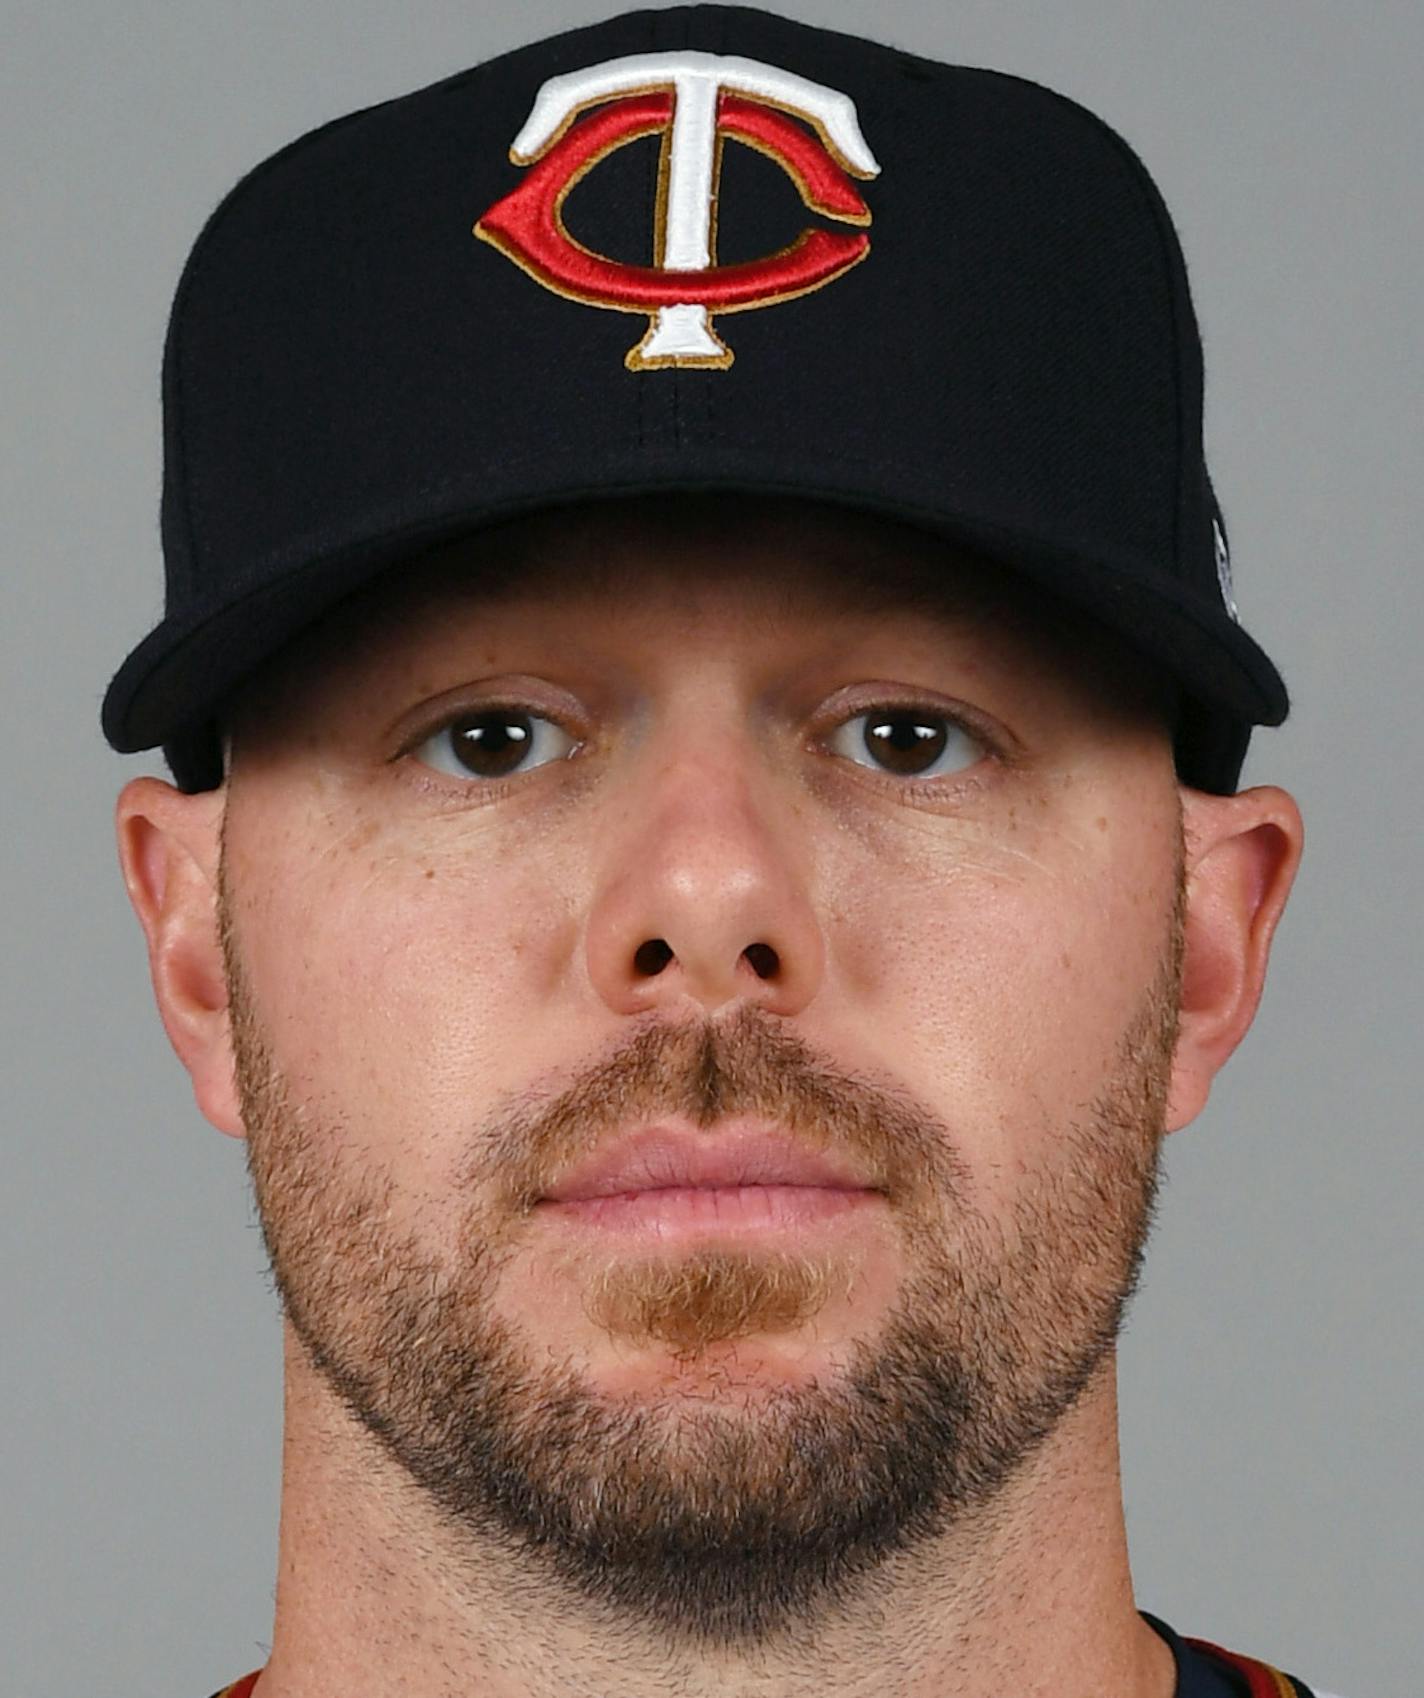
x: 694, y: 100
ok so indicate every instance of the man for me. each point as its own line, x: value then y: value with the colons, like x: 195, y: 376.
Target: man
x: 703, y: 863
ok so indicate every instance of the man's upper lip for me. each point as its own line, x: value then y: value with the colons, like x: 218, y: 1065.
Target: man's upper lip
x: 655, y: 1157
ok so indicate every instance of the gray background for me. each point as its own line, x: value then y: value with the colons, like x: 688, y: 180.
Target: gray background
x: 1271, y: 1372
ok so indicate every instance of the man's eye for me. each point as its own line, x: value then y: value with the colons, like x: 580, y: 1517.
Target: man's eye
x: 494, y: 743
x: 909, y: 742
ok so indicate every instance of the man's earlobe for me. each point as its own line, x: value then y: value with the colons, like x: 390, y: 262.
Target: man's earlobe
x: 1241, y: 857
x: 169, y: 845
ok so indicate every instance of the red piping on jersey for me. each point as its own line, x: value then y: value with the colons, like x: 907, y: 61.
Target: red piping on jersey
x: 241, y: 1688
x: 1261, y: 1678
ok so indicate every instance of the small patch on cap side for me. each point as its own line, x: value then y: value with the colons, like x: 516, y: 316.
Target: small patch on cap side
x: 1223, y: 568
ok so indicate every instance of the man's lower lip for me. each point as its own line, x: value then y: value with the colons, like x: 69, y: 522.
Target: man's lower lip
x: 725, y: 1208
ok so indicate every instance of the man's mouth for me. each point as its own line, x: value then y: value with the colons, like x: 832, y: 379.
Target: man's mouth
x: 745, y: 1177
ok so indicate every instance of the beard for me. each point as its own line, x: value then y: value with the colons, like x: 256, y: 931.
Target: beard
x: 718, y: 1526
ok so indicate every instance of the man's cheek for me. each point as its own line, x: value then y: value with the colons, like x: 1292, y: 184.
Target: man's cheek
x: 376, y: 978
x: 1019, y: 1012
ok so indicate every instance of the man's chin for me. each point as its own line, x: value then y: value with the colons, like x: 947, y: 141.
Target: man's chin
x: 750, y: 1372
x: 708, y: 1321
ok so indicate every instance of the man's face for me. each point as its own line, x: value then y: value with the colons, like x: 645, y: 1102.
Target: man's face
x: 698, y: 820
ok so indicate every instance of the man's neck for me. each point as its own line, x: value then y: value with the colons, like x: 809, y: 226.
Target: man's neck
x: 376, y: 1596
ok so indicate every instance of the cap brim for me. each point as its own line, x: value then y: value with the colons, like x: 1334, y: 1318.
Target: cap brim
x: 171, y: 686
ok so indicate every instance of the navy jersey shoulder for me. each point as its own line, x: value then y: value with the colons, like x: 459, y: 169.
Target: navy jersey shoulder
x: 1205, y: 1670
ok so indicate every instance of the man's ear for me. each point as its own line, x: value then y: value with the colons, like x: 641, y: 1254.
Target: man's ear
x: 169, y: 845
x: 1241, y: 858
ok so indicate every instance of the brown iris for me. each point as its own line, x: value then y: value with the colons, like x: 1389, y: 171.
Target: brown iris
x: 491, y: 743
x: 903, y: 742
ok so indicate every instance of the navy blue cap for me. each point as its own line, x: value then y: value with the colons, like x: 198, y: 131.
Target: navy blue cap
x: 696, y: 249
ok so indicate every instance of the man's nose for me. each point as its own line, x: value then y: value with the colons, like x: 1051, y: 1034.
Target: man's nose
x: 704, y: 890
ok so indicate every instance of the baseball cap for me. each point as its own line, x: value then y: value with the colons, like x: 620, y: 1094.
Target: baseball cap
x: 703, y: 248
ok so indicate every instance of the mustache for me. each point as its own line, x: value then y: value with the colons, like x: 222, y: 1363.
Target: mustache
x: 744, y: 1064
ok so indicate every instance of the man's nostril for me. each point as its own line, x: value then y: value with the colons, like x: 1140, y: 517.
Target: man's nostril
x: 763, y: 959
x: 652, y: 957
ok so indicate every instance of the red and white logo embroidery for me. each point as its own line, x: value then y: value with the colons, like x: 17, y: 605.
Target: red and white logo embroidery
x: 694, y: 100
